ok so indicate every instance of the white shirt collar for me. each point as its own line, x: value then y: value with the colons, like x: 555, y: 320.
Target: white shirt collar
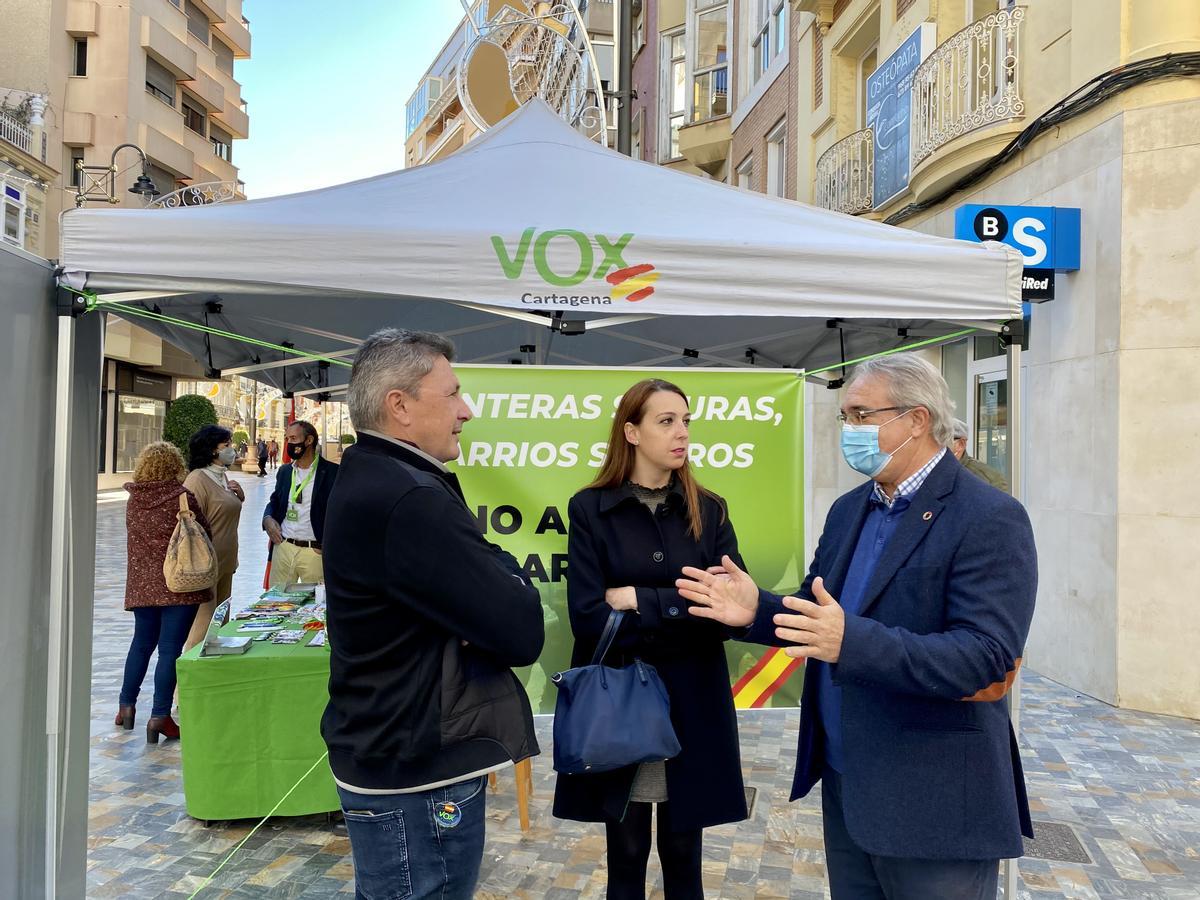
x: 409, y: 447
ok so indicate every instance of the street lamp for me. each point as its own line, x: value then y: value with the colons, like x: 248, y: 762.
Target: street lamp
x: 100, y: 182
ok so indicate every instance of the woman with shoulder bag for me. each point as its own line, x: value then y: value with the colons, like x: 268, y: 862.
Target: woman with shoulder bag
x: 161, y: 618
x: 631, y: 532
x: 210, y: 454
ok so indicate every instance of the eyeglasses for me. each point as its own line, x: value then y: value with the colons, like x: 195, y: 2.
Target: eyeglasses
x: 860, y: 416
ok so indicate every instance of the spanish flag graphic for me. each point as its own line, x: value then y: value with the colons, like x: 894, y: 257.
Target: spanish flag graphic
x: 764, y: 679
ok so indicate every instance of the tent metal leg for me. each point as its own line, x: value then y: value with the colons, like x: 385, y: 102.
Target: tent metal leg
x: 1016, y: 439
x: 60, y: 582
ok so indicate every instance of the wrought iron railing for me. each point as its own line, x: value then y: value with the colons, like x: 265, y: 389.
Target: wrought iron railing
x: 15, y: 133
x: 846, y: 174
x: 971, y: 81
x: 202, y: 194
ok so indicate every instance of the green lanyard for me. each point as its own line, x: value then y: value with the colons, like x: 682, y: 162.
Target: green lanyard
x: 298, y: 492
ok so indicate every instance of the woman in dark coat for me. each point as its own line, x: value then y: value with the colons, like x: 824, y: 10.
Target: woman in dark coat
x: 161, y: 618
x: 631, y: 532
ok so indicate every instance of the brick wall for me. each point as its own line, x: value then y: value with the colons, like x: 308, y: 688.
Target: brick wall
x: 646, y: 83
x: 777, y: 104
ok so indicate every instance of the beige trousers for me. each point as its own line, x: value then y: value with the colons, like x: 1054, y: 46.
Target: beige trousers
x: 204, y: 612
x: 290, y: 564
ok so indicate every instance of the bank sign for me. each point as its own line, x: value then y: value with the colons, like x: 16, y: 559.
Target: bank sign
x: 1047, y: 237
x: 889, y: 112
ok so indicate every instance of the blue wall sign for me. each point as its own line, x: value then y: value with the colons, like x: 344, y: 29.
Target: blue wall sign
x: 889, y: 112
x: 1047, y: 236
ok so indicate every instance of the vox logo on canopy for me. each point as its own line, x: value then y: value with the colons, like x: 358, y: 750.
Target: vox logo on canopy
x: 565, y: 258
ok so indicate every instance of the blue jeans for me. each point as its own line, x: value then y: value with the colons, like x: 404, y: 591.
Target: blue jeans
x: 165, y: 627
x: 855, y: 874
x: 417, y: 845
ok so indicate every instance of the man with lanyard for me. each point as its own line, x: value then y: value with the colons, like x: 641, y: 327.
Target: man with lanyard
x: 295, y: 515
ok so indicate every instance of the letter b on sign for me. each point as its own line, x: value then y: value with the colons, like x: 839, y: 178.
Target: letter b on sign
x: 991, y: 225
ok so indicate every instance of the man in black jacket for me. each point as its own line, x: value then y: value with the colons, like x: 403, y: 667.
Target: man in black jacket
x: 425, y: 620
x: 295, y: 515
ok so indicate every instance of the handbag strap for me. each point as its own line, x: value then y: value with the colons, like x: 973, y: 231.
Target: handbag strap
x: 183, y: 504
x: 608, y: 635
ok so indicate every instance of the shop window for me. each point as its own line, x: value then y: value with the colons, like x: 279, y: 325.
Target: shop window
x: 139, y: 422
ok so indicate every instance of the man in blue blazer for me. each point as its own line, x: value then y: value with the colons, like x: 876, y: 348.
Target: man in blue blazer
x: 913, y: 618
x: 295, y: 515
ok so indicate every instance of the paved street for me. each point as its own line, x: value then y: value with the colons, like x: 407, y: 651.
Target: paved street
x: 1116, y: 796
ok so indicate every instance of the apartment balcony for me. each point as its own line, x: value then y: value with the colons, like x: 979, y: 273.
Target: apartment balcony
x: 236, y: 31
x: 597, y: 16
x: 167, y: 151
x: 845, y: 178
x: 215, y: 10
x: 13, y: 132
x: 233, y: 118
x: 208, y: 91
x: 79, y: 129
x: 706, y: 144
x: 168, y: 49
x: 82, y: 16
x: 966, y: 101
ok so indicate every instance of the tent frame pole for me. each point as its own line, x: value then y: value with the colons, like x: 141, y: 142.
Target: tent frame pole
x: 60, y: 573
x: 1013, y: 336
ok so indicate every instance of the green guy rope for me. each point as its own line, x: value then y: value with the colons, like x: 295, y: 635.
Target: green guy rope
x: 242, y: 842
x: 934, y: 340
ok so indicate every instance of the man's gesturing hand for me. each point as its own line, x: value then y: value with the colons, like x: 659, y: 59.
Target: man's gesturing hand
x: 731, y: 598
x: 818, y: 628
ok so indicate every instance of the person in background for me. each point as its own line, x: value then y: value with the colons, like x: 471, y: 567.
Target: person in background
x: 273, y: 453
x: 295, y: 515
x: 427, y: 619
x: 913, y: 620
x: 161, y: 618
x: 263, y: 454
x: 221, y: 498
x: 958, y: 446
x: 632, y: 530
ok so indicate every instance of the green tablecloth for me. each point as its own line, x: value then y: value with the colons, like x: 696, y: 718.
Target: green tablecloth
x: 251, y: 728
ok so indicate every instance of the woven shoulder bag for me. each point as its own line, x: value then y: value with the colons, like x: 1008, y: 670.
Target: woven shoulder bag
x: 191, y: 562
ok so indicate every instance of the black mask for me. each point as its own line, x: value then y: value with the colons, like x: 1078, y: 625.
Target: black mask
x: 295, y: 451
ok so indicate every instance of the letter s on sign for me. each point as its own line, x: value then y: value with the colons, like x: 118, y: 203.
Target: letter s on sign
x: 1032, y: 247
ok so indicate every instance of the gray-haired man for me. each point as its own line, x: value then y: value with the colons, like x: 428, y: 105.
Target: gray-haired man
x: 425, y: 620
x: 913, y: 619
x: 958, y: 446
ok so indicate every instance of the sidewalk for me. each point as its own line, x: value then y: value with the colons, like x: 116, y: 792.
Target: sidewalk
x: 1115, y: 795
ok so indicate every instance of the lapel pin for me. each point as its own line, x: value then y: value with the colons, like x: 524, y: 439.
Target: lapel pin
x: 927, y: 516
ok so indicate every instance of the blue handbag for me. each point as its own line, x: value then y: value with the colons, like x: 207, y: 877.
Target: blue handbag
x: 608, y: 718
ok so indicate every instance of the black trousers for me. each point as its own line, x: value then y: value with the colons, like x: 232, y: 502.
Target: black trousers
x: 679, y: 852
x: 855, y: 874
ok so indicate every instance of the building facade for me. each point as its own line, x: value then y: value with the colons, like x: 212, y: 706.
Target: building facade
x: 435, y: 122
x: 79, y: 78
x: 1113, y: 362
x: 158, y: 74
x: 26, y: 175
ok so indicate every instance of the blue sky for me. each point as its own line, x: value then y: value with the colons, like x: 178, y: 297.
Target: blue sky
x: 326, y: 92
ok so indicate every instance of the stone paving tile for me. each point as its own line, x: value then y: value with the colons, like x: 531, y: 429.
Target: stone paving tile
x: 1127, y: 783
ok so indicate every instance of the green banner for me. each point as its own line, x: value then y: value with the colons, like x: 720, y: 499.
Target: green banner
x: 539, y: 435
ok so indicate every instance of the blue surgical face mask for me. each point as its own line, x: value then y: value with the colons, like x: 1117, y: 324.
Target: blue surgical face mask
x: 860, y: 447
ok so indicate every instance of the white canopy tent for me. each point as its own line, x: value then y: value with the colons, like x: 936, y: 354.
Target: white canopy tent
x: 533, y: 245
x: 527, y: 234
